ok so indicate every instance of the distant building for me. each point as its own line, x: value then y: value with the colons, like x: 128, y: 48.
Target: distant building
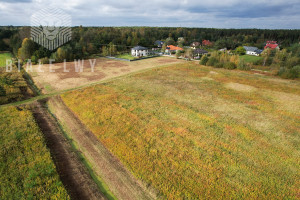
x: 195, y: 44
x: 159, y: 43
x: 180, y: 39
x: 206, y: 43
x: 258, y: 52
x: 252, y: 50
x: 172, y: 48
x: 139, y: 51
x: 223, y: 50
x: 272, y: 45
x: 199, y: 52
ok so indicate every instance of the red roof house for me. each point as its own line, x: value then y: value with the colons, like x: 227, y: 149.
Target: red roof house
x: 174, y: 48
x: 271, y: 45
x: 206, y: 43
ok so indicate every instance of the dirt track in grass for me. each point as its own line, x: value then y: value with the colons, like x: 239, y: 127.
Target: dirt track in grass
x: 72, y: 172
x: 119, y: 180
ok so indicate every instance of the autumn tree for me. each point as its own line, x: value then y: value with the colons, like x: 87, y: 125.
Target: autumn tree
x: 26, y: 50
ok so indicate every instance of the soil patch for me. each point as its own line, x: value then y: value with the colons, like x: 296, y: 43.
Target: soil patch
x: 72, y: 172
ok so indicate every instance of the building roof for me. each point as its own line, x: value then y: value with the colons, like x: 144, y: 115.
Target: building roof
x: 258, y: 51
x: 200, y: 51
x: 174, y: 48
x: 139, y: 48
x: 250, y: 48
x: 158, y: 43
x: 272, y: 46
x: 206, y: 43
x: 194, y: 44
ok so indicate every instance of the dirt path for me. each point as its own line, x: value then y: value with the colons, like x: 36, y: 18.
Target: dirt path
x: 72, y: 172
x: 120, y: 181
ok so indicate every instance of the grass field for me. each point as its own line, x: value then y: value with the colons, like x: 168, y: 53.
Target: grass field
x: 196, y: 132
x: 26, y: 168
x: 251, y: 59
x: 3, y: 57
x: 13, y: 87
x: 126, y: 56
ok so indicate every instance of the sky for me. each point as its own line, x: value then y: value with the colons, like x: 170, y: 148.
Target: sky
x: 266, y: 14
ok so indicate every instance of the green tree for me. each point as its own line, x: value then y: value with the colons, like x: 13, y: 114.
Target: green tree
x: 104, y: 51
x: 164, y: 46
x: 178, y: 54
x: 240, y: 50
x: 112, y: 49
x: 170, y: 41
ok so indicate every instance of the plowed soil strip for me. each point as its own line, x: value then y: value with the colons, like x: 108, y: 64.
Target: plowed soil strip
x: 73, y: 173
x: 119, y: 180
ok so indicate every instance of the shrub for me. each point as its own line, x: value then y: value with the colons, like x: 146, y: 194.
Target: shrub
x: 204, y: 60
x: 34, y: 60
x: 289, y: 73
x: 292, y: 61
x: 212, y: 61
x: 296, y: 71
x: 229, y: 65
x: 258, y: 62
x: 219, y: 65
x: 243, y: 65
x: 45, y: 60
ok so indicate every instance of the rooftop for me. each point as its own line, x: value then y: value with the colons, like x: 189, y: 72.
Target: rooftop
x: 139, y: 48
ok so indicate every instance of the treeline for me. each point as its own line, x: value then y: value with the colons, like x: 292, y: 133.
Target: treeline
x: 90, y: 40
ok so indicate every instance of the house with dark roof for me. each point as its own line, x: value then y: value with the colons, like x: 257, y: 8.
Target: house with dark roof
x: 139, y: 51
x: 272, y: 45
x: 199, y: 52
x: 250, y: 50
x: 258, y: 52
x: 158, y: 43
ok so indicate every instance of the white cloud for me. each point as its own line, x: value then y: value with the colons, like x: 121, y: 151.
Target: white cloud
x: 192, y: 13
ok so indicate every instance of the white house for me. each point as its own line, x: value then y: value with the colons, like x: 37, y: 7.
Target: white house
x: 139, y: 51
x: 250, y: 50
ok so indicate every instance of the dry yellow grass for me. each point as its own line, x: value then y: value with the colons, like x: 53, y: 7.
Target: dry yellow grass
x: 240, y: 87
x: 183, y: 131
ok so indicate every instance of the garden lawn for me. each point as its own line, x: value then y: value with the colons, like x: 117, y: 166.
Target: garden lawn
x: 251, y: 59
x: 126, y: 56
